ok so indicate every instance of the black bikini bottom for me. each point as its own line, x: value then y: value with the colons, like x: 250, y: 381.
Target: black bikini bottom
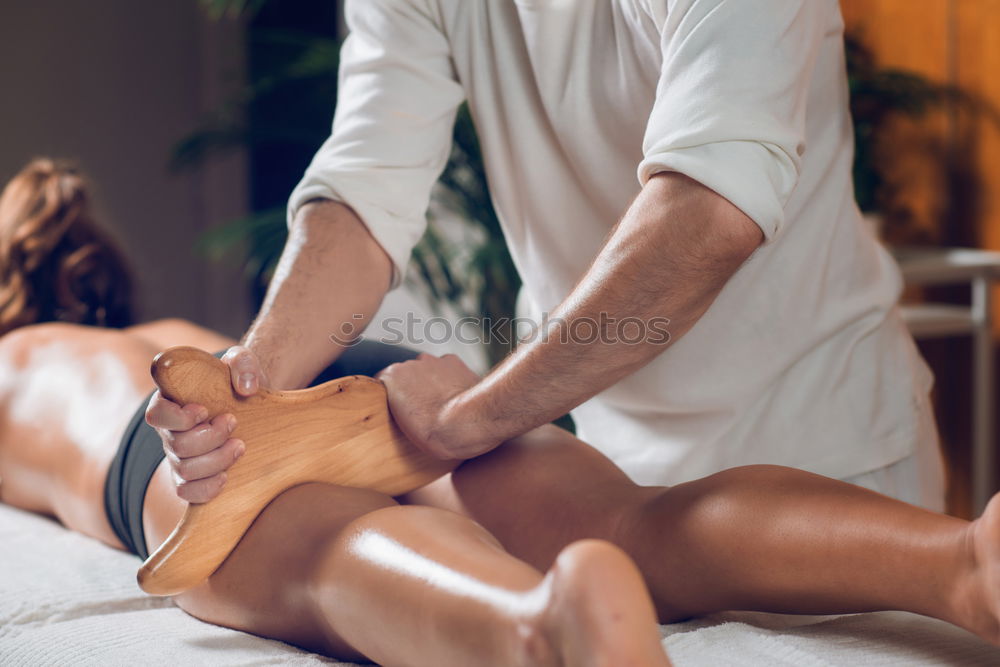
x: 141, y: 450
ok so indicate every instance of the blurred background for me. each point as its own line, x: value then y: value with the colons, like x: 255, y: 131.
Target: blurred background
x: 114, y: 85
x: 195, y: 118
x: 938, y: 183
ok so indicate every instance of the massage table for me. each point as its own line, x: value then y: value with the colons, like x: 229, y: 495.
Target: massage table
x: 66, y: 599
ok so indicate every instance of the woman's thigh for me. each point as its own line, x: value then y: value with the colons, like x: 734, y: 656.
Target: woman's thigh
x: 264, y: 586
x: 536, y: 494
x: 539, y: 492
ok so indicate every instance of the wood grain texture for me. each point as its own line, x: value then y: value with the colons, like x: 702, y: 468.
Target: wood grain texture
x: 903, y: 33
x: 911, y: 151
x: 339, y: 433
x: 955, y: 42
x: 977, y: 47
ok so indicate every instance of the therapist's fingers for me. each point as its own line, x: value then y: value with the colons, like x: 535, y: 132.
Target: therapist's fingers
x: 164, y: 414
x: 210, y: 464
x: 201, y: 490
x: 244, y: 370
x: 200, y: 440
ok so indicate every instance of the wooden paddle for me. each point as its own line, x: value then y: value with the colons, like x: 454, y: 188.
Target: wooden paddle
x: 339, y: 432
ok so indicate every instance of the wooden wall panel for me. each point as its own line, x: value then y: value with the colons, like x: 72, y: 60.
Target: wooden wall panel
x: 904, y: 33
x: 957, y: 42
x: 977, y: 48
x: 918, y: 41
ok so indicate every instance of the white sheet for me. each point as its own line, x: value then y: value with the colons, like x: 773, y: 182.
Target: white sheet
x: 66, y: 599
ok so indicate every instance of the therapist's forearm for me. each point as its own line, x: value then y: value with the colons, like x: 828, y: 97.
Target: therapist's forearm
x: 329, y: 282
x: 668, y: 258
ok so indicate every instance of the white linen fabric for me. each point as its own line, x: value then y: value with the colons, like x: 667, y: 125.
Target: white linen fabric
x: 67, y: 599
x: 918, y: 479
x: 803, y: 359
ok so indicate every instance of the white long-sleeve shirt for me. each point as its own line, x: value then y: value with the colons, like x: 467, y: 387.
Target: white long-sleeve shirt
x: 802, y: 360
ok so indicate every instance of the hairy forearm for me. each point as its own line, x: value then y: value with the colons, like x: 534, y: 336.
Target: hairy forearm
x: 668, y: 259
x: 331, y: 272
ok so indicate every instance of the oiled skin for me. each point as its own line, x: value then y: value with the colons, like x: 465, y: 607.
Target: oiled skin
x: 758, y: 537
x: 303, y: 572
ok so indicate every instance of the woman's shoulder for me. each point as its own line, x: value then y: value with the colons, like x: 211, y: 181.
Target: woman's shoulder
x: 21, y: 347
x: 22, y: 340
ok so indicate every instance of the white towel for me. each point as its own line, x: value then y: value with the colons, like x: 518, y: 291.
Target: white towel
x: 67, y: 599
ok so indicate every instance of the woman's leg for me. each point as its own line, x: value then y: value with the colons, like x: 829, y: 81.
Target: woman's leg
x: 327, y: 568
x: 350, y: 573
x: 340, y: 570
x: 783, y: 540
x: 760, y: 537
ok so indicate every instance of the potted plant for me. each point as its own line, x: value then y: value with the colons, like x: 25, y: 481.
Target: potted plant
x: 880, y: 97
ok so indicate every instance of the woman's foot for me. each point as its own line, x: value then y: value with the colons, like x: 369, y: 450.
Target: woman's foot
x: 981, y: 602
x: 597, y: 612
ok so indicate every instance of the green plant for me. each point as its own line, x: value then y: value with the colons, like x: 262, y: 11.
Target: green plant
x: 485, y: 283
x: 879, y: 97
x: 233, y: 8
x: 479, y: 281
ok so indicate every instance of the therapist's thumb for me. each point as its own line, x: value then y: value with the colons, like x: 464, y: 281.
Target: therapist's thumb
x: 244, y: 370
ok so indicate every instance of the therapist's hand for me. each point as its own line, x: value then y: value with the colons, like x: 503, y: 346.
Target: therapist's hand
x: 198, y: 445
x: 425, y: 400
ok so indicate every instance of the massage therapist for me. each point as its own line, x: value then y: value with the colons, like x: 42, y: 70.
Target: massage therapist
x: 677, y: 167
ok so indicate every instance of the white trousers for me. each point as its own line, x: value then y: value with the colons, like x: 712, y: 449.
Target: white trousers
x: 919, y: 478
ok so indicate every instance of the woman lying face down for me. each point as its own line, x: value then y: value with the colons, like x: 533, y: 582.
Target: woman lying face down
x: 540, y: 552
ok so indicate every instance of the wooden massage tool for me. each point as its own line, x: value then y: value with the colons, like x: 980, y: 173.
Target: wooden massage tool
x: 339, y: 432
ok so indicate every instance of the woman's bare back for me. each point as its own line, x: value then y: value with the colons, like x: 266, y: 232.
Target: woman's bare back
x: 67, y: 392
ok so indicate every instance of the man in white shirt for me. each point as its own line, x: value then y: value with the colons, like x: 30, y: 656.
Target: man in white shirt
x: 785, y: 345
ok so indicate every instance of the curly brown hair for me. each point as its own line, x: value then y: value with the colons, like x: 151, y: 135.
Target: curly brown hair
x: 56, y: 263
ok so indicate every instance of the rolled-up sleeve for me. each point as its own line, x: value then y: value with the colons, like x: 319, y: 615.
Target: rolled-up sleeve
x: 730, y: 104
x: 396, y: 102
